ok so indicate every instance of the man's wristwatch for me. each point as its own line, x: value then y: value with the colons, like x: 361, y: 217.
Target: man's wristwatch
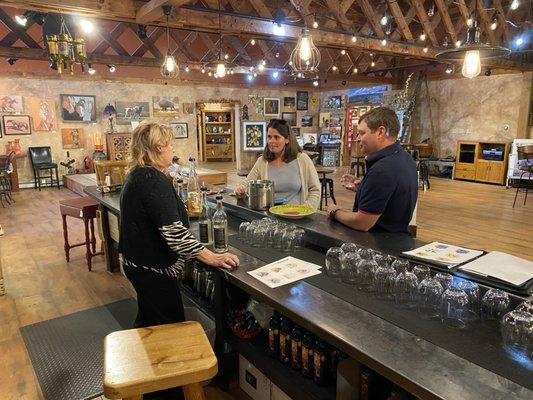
x: 333, y: 213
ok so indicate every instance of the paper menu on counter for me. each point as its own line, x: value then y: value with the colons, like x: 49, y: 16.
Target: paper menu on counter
x: 284, y: 271
x: 443, y: 254
x: 501, y: 266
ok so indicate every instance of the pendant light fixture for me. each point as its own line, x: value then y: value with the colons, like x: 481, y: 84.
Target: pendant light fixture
x: 220, y: 66
x: 472, y: 51
x: 305, y: 58
x: 169, y: 68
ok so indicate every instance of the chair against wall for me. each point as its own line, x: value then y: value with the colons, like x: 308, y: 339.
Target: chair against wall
x: 41, y: 160
x: 525, y: 164
x: 6, y: 168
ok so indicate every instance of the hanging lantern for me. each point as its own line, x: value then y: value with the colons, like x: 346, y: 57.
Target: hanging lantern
x: 169, y: 68
x: 53, y: 51
x: 81, y: 55
x: 305, y: 58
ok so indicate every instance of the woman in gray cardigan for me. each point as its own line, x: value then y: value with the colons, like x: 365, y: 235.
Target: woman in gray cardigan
x: 294, y: 174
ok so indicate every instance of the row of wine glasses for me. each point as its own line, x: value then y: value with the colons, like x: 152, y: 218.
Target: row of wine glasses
x: 268, y: 232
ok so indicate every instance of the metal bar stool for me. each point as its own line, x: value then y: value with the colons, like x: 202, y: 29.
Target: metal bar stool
x: 326, y: 186
x: 82, y: 208
x: 145, y: 360
x: 525, y: 164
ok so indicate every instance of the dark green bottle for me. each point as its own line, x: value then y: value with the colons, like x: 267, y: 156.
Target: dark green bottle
x: 320, y: 363
x: 296, y: 348
x: 308, y: 349
x: 273, y: 336
x: 285, y: 341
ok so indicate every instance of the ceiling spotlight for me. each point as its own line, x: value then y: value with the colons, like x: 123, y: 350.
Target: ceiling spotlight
x: 458, y: 43
x: 425, y: 49
x: 86, y: 25
x: 263, y: 63
x: 226, y: 56
x: 354, y: 38
x: 371, y: 54
x: 275, y: 74
x: 431, y: 10
x: 422, y: 36
x: 202, y: 70
x: 261, y: 67
x: 384, y: 42
x: 277, y: 54
x: 278, y: 30
x: 388, y: 29
x: 252, y: 42
x: 355, y: 70
x: 515, y: 4
x: 21, y: 19
x: 493, y: 24
x: 141, y: 32
x: 187, y: 69
x: 249, y: 77
x: 231, y: 72
x: 449, y: 69
x: 315, y: 24
x: 111, y: 67
x: 90, y: 69
x: 334, y: 68
x: 209, y: 73
x: 11, y: 60
x: 469, y: 22
x: 488, y: 72
x: 255, y: 74
x: 519, y: 41
x: 372, y: 64
x: 315, y: 83
x: 384, y: 20
x: 343, y: 52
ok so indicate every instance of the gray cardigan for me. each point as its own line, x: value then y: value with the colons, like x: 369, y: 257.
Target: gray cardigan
x: 310, y: 193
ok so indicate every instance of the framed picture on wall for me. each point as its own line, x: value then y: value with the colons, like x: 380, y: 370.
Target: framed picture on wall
x: 290, y: 117
x: 128, y: 111
x: 310, y: 138
x: 11, y: 104
x: 289, y: 102
x: 302, y: 101
x: 43, y: 113
x: 254, y: 136
x: 295, y: 131
x: 180, y: 129
x: 165, y: 106
x: 78, y: 108
x: 72, y: 138
x: 16, y: 124
x: 271, y: 107
x: 307, y: 120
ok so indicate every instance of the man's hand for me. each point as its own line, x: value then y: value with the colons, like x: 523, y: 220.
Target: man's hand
x: 350, y: 182
x: 331, y: 208
x: 240, y: 191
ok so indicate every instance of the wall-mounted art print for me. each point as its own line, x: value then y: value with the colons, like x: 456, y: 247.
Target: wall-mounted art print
x: 188, y: 108
x: 165, y: 106
x: 257, y: 103
x: 302, y: 101
x: 271, y: 107
x: 128, y: 111
x: 334, y: 102
x: 290, y: 117
x: 79, y: 108
x: 180, y: 129
x: 72, y: 138
x: 310, y: 138
x: 295, y: 131
x: 11, y: 104
x: 254, y: 136
x: 16, y: 124
x: 314, y: 101
x: 43, y: 113
x: 289, y: 102
x: 307, y: 120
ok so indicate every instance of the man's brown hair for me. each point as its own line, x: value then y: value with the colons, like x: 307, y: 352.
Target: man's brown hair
x: 382, y: 116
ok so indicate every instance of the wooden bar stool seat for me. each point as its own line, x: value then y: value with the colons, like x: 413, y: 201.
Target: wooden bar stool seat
x: 144, y: 360
x: 82, y: 208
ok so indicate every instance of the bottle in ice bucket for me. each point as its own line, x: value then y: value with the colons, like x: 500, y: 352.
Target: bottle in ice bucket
x: 194, y: 198
x: 220, y: 228
x: 308, y: 349
x: 320, y: 363
x: 204, y: 221
x: 285, y: 341
x: 273, y: 336
x: 296, y: 348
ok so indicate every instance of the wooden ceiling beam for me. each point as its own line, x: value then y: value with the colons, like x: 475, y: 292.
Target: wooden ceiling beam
x: 18, y: 30
x: 486, y: 23
x: 371, y: 16
x: 110, y: 40
x: 335, y: 7
x: 501, y: 21
x: 445, y: 16
x: 261, y: 8
x: 153, y: 10
x: 400, y: 20
x: 420, y: 11
x: 240, y: 49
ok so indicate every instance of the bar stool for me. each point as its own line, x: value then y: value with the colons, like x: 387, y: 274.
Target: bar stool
x: 358, y: 163
x: 144, y: 360
x: 326, y: 191
x: 82, y: 208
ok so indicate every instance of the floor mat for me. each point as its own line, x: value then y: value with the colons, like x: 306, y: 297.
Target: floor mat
x: 67, y: 352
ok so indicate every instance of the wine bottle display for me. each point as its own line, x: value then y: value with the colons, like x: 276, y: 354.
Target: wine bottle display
x: 220, y: 228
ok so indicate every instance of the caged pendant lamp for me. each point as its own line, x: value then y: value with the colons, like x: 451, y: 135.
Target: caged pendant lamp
x: 169, y: 68
x: 305, y: 58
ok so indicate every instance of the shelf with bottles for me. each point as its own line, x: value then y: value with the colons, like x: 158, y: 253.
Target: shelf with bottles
x: 217, y: 128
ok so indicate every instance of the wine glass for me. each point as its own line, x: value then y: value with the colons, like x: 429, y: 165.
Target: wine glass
x: 526, y: 306
x: 429, y: 298
x: 453, y: 306
x: 333, y: 261
x: 384, y: 282
x: 422, y: 272
x: 400, y: 265
x: 366, y: 274
x: 494, y: 304
x: 406, y: 289
x: 517, y: 333
x: 349, y: 263
x: 444, y: 279
x: 350, y: 248
x: 242, y: 231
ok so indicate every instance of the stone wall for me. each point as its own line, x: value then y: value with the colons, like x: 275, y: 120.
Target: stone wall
x: 111, y: 91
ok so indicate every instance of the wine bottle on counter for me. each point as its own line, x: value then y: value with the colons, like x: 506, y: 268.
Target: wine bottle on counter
x: 320, y: 363
x: 204, y: 221
x: 179, y: 190
x: 296, y: 348
x: 285, y: 341
x: 273, y: 336
x: 307, y: 355
x: 220, y: 228
x: 193, y: 193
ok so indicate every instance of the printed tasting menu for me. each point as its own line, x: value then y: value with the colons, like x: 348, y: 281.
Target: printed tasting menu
x: 284, y: 271
x: 443, y: 254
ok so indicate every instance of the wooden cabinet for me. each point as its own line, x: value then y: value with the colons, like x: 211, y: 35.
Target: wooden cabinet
x: 482, y: 161
x: 218, y: 133
x: 118, y: 146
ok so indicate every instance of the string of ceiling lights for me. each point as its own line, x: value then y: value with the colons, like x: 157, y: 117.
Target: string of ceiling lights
x: 304, y: 59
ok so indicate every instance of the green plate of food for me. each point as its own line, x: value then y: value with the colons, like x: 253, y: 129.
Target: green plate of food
x: 292, y: 211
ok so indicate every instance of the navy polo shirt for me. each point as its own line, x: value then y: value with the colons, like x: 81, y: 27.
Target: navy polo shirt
x: 389, y: 188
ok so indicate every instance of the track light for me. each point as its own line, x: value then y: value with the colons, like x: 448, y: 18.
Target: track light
x: 494, y: 24
x: 315, y: 24
x: 21, y: 19
x: 315, y: 83
x: 354, y: 39
x: 86, y: 25
x: 449, y: 69
x: 90, y: 69
x: 384, y: 20
x: 431, y: 11
x: 519, y: 41
x: 111, y: 67
x: 12, y: 60
x: 334, y: 68
x: 422, y: 36
x: 275, y: 74
x: 372, y: 64
x: 458, y: 43
x: 187, y: 69
x: 343, y: 83
x: 252, y: 42
x: 425, y: 49
x: 488, y: 72
x: 202, y: 70
x: 343, y: 52
x: 355, y: 70
x: 515, y: 4
x: 384, y: 42
x: 141, y: 32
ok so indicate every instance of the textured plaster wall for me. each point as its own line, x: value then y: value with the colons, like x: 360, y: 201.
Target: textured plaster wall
x: 111, y: 91
x: 485, y: 108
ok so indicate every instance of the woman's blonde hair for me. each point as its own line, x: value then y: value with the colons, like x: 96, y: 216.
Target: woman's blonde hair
x: 145, y: 141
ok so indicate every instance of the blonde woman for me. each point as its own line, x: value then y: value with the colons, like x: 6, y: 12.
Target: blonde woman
x: 154, y: 239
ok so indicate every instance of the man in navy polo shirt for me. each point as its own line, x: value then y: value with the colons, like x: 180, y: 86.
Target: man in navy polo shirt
x: 386, y: 196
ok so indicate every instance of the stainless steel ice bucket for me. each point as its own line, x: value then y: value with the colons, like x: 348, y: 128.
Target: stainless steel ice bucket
x: 260, y: 194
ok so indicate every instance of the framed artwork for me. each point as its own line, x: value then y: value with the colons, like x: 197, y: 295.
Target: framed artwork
x: 72, y: 138
x: 324, y: 119
x: 11, y: 104
x: 289, y: 102
x: 334, y: 102
x: 188, y: 108
x: 254, y: 136
x: 43, y: 113
x: 310, y: 138
x: 78, y: 108
x: 180, y: 129
x: 16, y: 124
x: 128, y: 111
x: 362, y: 111
x: 307, y: 120
x: 290, y: 117
x: 165, y: 106
x: 271, y: 107
x: 295, y: 131
x: 302, y: 101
